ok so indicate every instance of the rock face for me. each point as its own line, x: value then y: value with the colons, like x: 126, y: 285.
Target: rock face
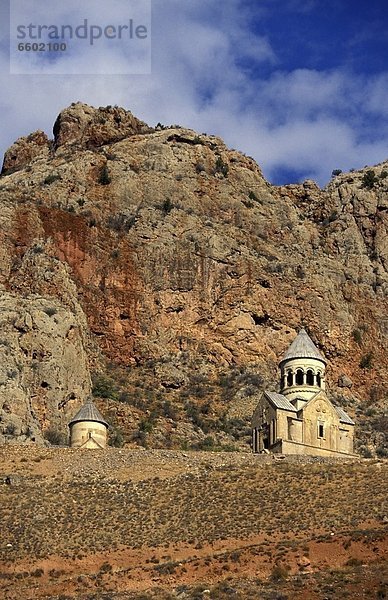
x: 170, y: 252
x: 24, y: 150
x: 81, y: 124
x: 43, y: 367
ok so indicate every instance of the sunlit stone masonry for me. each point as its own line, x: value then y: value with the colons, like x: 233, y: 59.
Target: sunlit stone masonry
x: 301, y: 419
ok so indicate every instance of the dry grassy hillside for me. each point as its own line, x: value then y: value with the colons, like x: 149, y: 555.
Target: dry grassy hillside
x: 163, y: 524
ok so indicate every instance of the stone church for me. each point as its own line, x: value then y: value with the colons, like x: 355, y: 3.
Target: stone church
x: 301, y: 419
x: 88, y: 428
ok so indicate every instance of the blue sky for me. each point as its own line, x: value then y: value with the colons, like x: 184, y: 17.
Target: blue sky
x: 300, y: 85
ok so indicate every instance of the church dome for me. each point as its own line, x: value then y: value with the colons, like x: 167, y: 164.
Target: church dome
x: 302, y: 347
x: 89, y: 412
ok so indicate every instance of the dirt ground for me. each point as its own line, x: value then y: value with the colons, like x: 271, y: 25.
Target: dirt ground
x: 52, y: 546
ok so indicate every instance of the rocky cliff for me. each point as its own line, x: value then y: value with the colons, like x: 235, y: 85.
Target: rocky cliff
x: 163, y: 264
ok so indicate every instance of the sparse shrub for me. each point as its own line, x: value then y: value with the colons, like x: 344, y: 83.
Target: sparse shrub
x: 106, y: 567
x: 207, y: 443
x: 51, y: 178
x: 121, y: 222
x: 146, y: 425
x: 370, y: 411
x: 55, y: 437
x: 336, y: 172
x: 274, y: 267
x: 382, y: 452
x: 116, y: 439
x: 381, y: 593
x: 235, y: 556
x: 357, y: 336
x: 248, y: 203
x: 221, y: 167
x: 369, y: 179
x: 37, y: 249
x: 125, y: 397
x: 50, y: 311
x: 10, y: 429
x: 167, y: 206
x: 366, y: 361
x: 196, y: 416
x: 228, y: 448
x: 252, y: 196
x: 279, y: 573
x: 200, y: 168
x: 365, y: 452
x: 169, y: 411
x: 166, y: 568
x: 331, y: 218
x: 353, y: 562
x: 104, y: 387
x: 104, y: 177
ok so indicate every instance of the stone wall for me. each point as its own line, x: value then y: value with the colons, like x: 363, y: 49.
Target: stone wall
x: 287, y: 447
x: 87, y: 433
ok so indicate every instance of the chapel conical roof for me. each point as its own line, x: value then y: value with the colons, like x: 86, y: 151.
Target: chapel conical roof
x: 303, y: 347
x: 89, y: 412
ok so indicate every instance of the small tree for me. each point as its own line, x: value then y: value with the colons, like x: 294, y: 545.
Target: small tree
x: 369, y: 179
x: 104, y: 387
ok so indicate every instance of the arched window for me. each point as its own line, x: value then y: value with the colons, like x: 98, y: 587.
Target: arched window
x: 299, y: 377
x: 310, y: 377
x: 289, y: 378
x: 319, y: 381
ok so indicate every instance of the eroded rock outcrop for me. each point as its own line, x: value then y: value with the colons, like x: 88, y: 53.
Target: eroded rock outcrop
x: 172, y: 250
x: 44, y: 371
x: 24, y: 150
x: 87, y: 126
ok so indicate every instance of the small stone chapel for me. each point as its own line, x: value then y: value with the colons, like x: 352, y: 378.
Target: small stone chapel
x: 88, y: 428
x: 301, y: 419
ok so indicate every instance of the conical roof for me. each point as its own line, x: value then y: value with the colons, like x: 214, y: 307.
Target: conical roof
x: 89, y: 412
x: 303, y: 347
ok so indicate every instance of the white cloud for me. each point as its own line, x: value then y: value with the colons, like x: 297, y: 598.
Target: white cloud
x: 302, y: 120
x: 376, y: 95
